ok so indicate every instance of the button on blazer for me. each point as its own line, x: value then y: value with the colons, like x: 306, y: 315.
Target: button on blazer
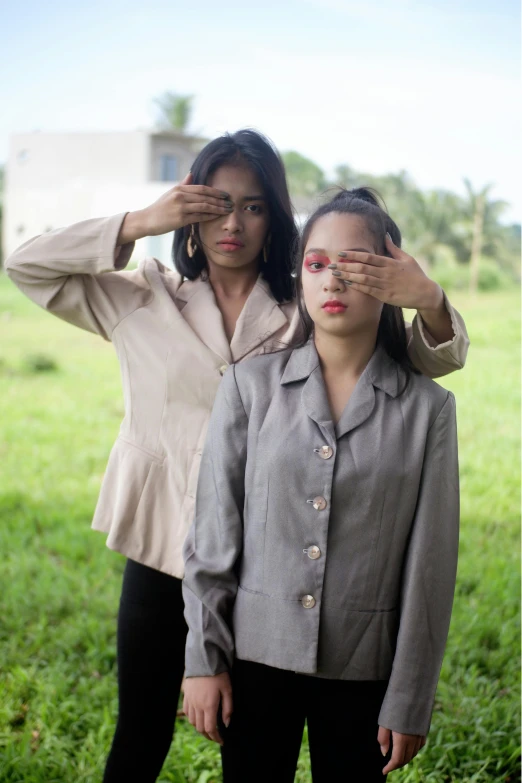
x: 327, y: 549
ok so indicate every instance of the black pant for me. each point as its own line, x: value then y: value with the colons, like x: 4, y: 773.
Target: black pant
x: 151, y: 652
x: 270, y: 708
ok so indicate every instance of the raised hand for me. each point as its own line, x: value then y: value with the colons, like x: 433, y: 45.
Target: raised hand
x: 180, y: 206
x: 398, y: 280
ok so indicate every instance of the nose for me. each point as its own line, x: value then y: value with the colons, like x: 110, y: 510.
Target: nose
x: 334, y: 284
x: 233, y: 223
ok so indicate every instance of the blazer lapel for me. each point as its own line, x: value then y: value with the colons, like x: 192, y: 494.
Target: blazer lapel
x: 260, y: 318
x: 199, y: 309
x: 303, y: 364
x: 359, y: 407
x: 381, y: 372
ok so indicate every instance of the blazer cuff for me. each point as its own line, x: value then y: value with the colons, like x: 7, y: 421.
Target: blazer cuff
x: 457, y: 325
x: 203, y: 659
x: 399, y: 714
x: 111, y: 256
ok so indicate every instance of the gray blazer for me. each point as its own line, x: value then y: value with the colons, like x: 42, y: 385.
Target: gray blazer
x: 327, y: 549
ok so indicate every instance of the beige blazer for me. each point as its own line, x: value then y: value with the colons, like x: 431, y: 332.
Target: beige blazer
x: 171, y: 344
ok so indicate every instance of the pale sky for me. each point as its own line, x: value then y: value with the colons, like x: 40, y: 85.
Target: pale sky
x: 383, y: 85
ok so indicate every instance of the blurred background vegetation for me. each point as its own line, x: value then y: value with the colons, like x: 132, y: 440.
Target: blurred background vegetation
x: 461, y: 240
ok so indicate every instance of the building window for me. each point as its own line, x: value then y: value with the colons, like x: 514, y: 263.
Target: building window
x: 168, y: 168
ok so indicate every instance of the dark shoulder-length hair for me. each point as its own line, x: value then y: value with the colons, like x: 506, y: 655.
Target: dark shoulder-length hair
x: 365, y: 203
x: 256, y: 151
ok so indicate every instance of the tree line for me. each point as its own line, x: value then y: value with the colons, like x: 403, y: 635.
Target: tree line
x: 460, y: 239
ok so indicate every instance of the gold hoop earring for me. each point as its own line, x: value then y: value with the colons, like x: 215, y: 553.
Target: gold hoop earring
x: 266, y: 250
x: 191, y: 244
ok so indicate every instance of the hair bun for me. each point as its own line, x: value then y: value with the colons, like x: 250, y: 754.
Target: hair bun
x: 366, y: 194
x: 362, y: 194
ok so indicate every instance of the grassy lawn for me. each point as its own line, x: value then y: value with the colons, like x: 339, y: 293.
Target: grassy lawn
x: 59, y: 585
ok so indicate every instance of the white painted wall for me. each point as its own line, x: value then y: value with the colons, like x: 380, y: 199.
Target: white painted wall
x: 55, y: 179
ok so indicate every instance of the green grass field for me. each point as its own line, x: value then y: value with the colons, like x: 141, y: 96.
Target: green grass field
x: 59, y: 585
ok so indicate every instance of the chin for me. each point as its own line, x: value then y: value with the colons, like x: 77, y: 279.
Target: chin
x: 230, y: 262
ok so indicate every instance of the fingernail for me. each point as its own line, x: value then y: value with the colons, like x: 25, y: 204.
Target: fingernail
x: 225, y: 195
x: 343, y: 255
x: 347, y: 282
x: 389, y: 237
x: 227, y: 723
x: 332, y: 266
x: 337, y: 274
x: 383, y: 751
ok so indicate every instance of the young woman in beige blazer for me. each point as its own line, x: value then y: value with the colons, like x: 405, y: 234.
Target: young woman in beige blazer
x: 230, y: 296
x: 320, y: 567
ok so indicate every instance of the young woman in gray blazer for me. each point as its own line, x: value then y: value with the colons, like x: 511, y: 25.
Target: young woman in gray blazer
x: 175, y: 331
x: 321, y: 565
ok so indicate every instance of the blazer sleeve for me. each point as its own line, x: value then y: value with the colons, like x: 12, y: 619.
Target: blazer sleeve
x: 432, y: 359
x: 215, y: 540
x: 74, y: 273
x: 428, y: 584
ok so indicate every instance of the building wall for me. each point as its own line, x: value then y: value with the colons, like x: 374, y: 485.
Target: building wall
x: 55, y: 179
x: 165, y: 145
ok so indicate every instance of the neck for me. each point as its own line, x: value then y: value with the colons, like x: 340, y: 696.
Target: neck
x: 346, y: 355
x: 232, y: 283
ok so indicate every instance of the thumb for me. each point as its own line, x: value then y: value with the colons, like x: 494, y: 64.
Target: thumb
x: 187, y: 180
x: 383, y: 738
x: 226, y: 705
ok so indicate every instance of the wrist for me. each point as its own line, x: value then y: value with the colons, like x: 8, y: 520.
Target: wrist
x: 433, y: 299
x: 134, y: 227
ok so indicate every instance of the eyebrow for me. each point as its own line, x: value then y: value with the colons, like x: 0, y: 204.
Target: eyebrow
x: 345, y: 250
x: 254, y: 198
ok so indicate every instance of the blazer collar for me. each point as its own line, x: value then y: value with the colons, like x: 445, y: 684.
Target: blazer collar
x: 259, y: 319
x: 381, y: 372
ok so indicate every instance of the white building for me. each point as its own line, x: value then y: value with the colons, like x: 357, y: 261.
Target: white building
x: 54, y: 179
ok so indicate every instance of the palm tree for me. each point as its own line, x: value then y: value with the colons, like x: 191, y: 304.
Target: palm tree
x: 483, y: 219
x: 175, y: 111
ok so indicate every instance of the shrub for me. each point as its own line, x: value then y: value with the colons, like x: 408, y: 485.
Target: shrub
x: 40, y: 363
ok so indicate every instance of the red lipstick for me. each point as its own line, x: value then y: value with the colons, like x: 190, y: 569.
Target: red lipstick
x: 230, y: 244
x: 334, y: 306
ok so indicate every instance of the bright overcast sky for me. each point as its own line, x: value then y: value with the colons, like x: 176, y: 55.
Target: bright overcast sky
x: 430, y: 87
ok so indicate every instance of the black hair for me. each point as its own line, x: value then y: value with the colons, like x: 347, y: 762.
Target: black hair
x: 364, y: 202
x: 256, y: 151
